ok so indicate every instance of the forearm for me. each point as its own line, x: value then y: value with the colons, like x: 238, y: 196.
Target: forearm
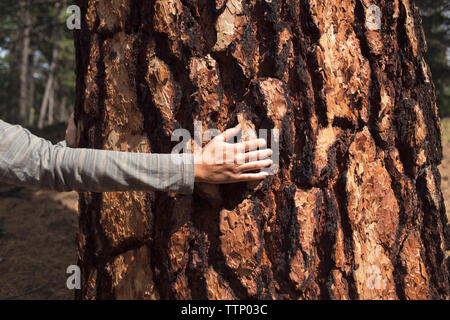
x: 28, y: 160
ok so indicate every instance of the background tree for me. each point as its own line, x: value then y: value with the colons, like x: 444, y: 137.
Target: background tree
x: 29, y: 33
x: 355, y: 210
x: 436, y: 23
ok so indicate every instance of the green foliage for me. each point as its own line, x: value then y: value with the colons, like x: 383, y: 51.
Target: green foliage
x: 436, y: 23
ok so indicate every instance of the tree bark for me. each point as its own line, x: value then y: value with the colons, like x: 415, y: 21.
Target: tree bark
x: 24, y: 37
x: 355, y: 210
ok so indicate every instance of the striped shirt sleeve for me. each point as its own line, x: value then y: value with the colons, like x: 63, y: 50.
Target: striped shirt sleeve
x: 35, y: 162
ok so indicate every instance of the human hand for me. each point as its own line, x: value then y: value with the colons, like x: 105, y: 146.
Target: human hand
x: 71, y: 132
x: 220, y: 162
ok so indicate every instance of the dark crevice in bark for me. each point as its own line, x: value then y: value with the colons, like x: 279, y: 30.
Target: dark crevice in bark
x: 402, y: 38
x: 162, y: 208
x: 320, y: 105
x: 345, y: 124
x: 134, y: 21
x: 195, y: 274
x: 327, y: 241
x: 260, y: 221
x: 313, y: 36
x: 339, y: 189
x: 265, y: 34
x: 205, y: 14
x: 304, y: 150
x: 307, y: 23
x: 431, y: 237
x: 433, y: 140
x: 234, y: 82
x: 404, y: 121
x: 299, y: 87
x: 82, y: 40
x: 291, y: 244
x: 281, y: 58
x: 88, y: 258
x: 276, y: 240
x: 304, y: 166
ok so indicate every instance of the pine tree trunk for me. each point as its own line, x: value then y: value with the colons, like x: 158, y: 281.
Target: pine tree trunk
x: 355, y: 211
x: 51, y: 103
x: 24, y: 38
x: 31, y: 93
x: 48, y: 87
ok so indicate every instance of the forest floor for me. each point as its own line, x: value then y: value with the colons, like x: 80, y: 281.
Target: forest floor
x: 38, y: 237
x: 37, y: 243
x: 445, y: 169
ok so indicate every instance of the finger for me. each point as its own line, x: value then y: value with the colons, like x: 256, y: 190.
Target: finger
x: 252, y: 176
x: 257, y: 165
x: 228, y: 134
x: 252, y: 156
x: 250, y: 145
x: 257, y: 155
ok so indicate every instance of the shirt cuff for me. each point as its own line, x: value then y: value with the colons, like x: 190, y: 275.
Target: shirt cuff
x: 62, y: 144
x: 188, y: 177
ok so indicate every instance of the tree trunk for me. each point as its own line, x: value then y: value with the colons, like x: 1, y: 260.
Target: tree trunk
x: 31, y: 92
x: 48, y: 86
x: 24, y: 37
x: 63, y: 112
x: 355, y: 210
x: 51, y: 103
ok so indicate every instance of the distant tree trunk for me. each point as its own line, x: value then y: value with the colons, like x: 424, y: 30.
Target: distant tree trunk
x: 355, y: 211
x: 48, y: 86
x: 51, y: 103
x: 63, y: 114
x: 31, y: 91
x: 24, y: 47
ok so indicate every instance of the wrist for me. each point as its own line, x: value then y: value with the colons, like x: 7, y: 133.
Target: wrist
x: 199, y: 172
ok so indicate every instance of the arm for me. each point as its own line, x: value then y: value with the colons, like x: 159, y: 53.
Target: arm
x: 34, y: 162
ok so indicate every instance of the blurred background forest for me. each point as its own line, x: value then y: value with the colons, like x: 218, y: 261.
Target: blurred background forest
x: 37, y: 56
x: 37, y: 90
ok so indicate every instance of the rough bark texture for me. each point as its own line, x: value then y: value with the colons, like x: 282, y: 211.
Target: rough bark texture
x: 355, y: 211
